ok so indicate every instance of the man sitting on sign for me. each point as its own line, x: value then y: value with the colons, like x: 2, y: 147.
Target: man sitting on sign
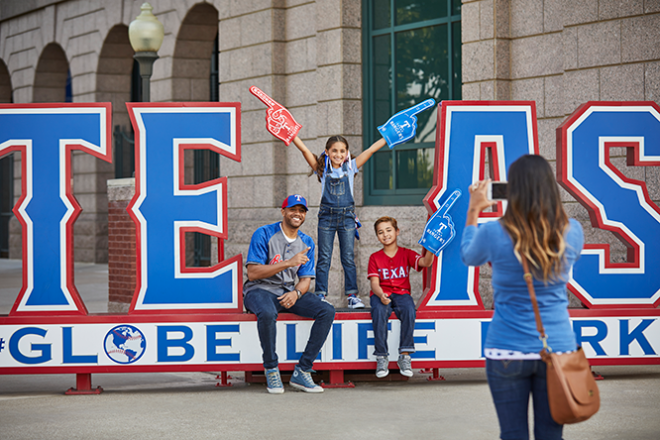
x: 278, y: 254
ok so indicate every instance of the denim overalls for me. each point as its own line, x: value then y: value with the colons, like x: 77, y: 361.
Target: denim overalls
x: 336, y: 215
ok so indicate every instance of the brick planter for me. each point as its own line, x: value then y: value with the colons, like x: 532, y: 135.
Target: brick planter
x: 121, y: 245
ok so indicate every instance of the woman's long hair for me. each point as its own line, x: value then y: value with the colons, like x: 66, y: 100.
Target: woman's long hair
x: 322, y: 161
x: 535, y: 218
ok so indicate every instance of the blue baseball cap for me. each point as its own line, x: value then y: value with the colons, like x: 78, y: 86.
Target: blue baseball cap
x: 293, y: 200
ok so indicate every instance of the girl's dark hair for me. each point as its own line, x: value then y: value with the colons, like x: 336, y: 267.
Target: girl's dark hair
x: 535, y: 218
x: 320, y: 160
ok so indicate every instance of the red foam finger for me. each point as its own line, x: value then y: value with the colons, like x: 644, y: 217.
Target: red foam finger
x: 270, y: 102
x: 279, y: 121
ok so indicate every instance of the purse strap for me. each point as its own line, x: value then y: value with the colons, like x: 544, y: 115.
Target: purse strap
x: 537, y: 314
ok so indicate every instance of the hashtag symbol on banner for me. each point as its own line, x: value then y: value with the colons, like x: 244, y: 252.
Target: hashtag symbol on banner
x: 2, y: 344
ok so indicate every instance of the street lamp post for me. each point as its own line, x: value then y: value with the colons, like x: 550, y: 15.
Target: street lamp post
x: 146, y: 35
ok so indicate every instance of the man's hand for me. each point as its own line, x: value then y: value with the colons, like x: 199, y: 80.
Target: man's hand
x: 261, y: 271
x: 288, y: 299
x: 299, y: 259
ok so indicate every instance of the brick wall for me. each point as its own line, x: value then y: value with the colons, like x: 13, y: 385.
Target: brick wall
x: 121, y: 246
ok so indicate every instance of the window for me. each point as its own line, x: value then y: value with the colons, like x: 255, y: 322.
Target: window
x: 412, y: 52
x: 6, y: 201
x: 68, y: 89
x: 206, y: 162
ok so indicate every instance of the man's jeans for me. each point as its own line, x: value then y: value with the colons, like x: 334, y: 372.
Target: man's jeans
x: 511, y: 382
x: 266, y: 306
x: 342, y: 222
x: 404, y: 309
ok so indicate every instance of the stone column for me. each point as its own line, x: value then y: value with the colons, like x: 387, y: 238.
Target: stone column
x: 486, y: 50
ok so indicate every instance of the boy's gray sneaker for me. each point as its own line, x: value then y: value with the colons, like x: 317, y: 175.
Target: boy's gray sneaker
x: 404, y: 365
x: 274, y: 381
x: 381, y: 367
x: 302, y: 380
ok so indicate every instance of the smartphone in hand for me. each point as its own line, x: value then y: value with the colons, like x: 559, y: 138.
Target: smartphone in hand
x: 497, y: 191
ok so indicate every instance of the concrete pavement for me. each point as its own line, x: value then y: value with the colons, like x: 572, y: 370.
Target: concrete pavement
x: 91, y: 281
x: 190, y: 406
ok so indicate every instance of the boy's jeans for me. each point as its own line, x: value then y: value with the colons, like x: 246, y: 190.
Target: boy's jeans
x: 342, y: 222
x: 510, y: 383
x: 404, y: 309
x: 267, y: 306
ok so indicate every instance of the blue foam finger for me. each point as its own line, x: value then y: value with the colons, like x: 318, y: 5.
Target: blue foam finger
x: 418, y: 108
x: 450, y: 201
x: 439, y: 230
x: 401, y: 127
x: 398, y: 130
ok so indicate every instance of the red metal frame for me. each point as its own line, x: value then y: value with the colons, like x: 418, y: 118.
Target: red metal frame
x: 83, y: 386
x: 337, y: 380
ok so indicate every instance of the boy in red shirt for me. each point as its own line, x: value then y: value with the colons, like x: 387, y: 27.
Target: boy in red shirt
x: 390, y: 291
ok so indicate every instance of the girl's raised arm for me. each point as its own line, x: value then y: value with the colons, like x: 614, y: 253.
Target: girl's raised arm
x: 308, y: 155
x: 366, y: 154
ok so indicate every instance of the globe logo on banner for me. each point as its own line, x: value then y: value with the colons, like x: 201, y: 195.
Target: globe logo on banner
x: 124, y: 344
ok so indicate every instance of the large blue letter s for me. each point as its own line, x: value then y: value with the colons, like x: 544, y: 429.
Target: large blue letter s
x: 615, y: 202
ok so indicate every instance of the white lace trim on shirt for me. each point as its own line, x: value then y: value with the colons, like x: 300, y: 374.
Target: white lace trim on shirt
x: 511, y: 355
x: 502, y: 354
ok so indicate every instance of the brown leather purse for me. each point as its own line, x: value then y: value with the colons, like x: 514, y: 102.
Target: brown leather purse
x: 572, y: 391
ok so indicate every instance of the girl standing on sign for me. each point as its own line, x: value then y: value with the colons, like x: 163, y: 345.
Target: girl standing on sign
x: 336, y: 171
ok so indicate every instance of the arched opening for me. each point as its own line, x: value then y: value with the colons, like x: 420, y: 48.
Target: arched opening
x: 6, y: 171
x: 5, y: 84
x: 51, y: 76
x: 114, y: 84
x: 191, y: 67
x: 195, y: 78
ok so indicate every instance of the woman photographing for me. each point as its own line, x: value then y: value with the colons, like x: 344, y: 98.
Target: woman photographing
x: 535, y: 226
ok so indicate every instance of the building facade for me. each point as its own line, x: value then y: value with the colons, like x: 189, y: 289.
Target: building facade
x: 341, y: 67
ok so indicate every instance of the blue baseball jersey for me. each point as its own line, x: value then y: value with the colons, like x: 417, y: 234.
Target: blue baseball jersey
x: 269, y: 245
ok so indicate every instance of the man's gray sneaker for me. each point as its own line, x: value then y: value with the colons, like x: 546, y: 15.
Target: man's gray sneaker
x: 381, y: 367
x: 404, y: 365
x: 302, y: 380
x: 274, y: 381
